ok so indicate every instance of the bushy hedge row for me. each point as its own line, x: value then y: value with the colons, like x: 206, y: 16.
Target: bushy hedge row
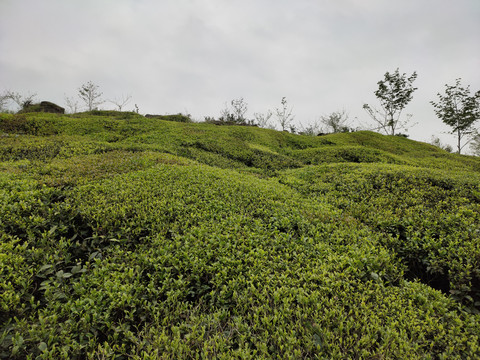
x: 185, y: 261
x: 233, y: 145
x: 21, y: 124
x: 430, y: 218
x: 33, y: 148
x: 117, y: 242
x: 353, y: 154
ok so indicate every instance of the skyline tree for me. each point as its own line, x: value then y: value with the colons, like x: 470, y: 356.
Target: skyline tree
x: 336, y: 122
x: 20, y: 100
x: 459, y: 110
x: 394, y: 92
x: 90, y: 95
x: 121, y: 102
x: 284, y: 115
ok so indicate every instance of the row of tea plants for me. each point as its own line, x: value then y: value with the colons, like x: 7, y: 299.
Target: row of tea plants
x: 132, y: 238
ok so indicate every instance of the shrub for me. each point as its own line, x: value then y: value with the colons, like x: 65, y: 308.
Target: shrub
x: 131, y: 250
x: 177, y: 117
x: 20, y: 124
x: 429, y: 218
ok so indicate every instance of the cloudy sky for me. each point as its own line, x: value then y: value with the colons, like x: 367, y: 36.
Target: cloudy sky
x: 193, y: 56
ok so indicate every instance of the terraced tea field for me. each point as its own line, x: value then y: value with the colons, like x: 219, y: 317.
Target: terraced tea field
x: 124, y: 237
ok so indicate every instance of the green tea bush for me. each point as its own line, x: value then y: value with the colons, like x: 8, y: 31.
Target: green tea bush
x: 71, y: 171
x: 123, y: 244
x: 161, y: 263
x: 177, y: 117
x: 353, y: 154
x: 210, y: 158
x: 238, y: 151
x: 430, y: 218
x: 121, y: 115
x: 21, y: 124
x: 27, y: 147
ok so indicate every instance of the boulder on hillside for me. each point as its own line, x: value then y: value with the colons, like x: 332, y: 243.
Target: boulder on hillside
x: 50, y: 107
x: 44, y: 106
x: 176, y: 117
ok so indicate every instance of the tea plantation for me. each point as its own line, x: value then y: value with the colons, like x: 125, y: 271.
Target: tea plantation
x: 124, y: 237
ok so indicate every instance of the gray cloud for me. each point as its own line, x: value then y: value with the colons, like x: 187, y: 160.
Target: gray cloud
x: 194, y: 55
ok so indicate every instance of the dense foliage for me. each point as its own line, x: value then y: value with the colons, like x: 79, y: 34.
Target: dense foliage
x: 127, y: 237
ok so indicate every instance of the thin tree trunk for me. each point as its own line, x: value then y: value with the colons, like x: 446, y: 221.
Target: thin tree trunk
x: 459, y: 139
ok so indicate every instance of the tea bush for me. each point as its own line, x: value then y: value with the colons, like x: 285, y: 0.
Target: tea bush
x: 176, y: 117
x: 354, y: 154
x: 122, y: 243
x: 21, y: 124
x: 36, y: 148
x: 429, y: 218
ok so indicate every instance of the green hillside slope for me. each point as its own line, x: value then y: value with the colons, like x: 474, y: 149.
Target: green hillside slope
x: 133, y: 238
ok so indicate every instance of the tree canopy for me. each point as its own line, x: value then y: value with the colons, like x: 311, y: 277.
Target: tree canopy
x: 459, y: 110
x: 394, y: 92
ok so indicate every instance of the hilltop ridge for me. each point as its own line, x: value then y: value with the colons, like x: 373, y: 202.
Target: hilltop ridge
x: 231, y: 146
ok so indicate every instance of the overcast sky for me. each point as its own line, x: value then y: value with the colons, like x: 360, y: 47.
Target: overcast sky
x: 193, y: 56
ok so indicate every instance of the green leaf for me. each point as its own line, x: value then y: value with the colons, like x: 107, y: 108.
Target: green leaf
x: 374, y: 276
x: 44, y: 267
x: 76, y: 269
x: 52, y: 230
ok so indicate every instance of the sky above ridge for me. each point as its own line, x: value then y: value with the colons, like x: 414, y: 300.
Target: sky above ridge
x: 194, y: 56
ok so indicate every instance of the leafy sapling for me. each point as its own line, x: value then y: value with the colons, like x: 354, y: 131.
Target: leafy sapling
x: 394, y: 92
x: 459, y: 110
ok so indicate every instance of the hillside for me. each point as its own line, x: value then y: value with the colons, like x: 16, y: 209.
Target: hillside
x: 133, y: 238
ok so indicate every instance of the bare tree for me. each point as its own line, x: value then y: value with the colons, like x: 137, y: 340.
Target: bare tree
x: 225, y: 114
x: 263, y: 119
x: 22, y: 101
x: 284, y: 115
x: 438, y: 143
x: 71, y: 104
x: 3, y: 102
x: 121, y: 102
x: 89, y: 94
x: 235, y: 112
x: 312, y: 129
x: 336, y: 122
x: 239, y: 107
